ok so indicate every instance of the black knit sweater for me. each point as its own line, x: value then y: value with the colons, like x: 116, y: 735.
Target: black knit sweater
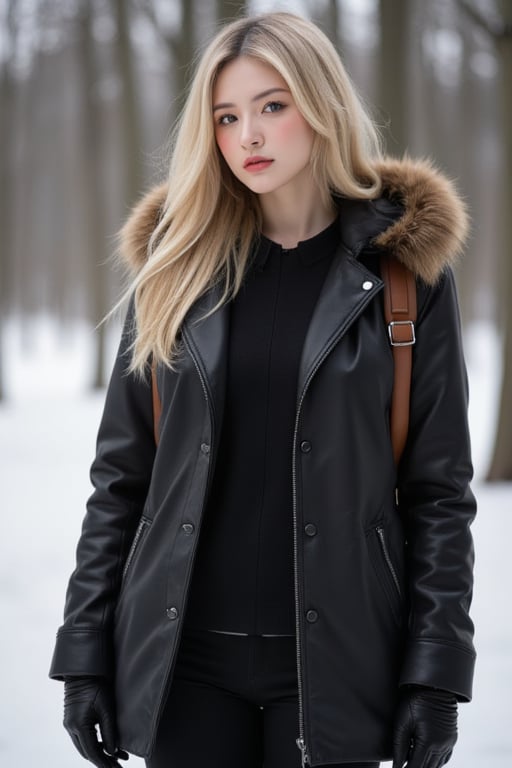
x: 243, y: 573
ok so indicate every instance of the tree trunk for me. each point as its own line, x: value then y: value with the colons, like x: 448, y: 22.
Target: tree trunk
x: 328, y: 20
x: 501, y: 464
x: 130, y: 116
x: 183, y: 49
x: 6, y: 105
x: 92, y: 173
x: 6, y: 181
x: 228, y: 10
x: 394, y: 17
x: 479, y: 140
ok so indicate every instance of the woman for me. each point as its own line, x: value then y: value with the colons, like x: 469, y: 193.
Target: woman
x: 246, y: 583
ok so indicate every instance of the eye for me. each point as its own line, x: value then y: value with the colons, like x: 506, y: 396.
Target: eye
x: 226, y: 119
x: 273, y: 106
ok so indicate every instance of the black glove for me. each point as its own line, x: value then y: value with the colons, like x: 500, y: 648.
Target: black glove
x: 425, y: 727
x: 89, y: 701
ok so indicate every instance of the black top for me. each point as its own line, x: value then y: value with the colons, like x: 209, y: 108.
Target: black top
x: 243, y: 575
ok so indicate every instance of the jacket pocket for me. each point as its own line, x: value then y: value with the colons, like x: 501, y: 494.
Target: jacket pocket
x: 385, y: 570
x: 138, y: 538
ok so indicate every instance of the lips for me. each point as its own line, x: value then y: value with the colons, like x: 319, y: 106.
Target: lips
x: 256, y: 162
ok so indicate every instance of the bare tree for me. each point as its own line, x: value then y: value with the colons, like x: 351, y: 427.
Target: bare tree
x: 91, y: 175
x: 327, y: 18
x: 499, y: 27
x: 182, y: 47
x: 230, y: 9
x: 476, y: 100
x: 130, y: 112
x: 180, y: 41
x: 394, y: 23
x: 6, y: 131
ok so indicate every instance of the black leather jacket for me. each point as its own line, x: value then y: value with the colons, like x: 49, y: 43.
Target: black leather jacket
x: 382, y: 591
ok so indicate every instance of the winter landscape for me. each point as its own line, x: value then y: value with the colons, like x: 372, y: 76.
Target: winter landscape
x: 88, y: 92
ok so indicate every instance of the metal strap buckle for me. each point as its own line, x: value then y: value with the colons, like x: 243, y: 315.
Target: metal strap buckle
x: 407, y: 343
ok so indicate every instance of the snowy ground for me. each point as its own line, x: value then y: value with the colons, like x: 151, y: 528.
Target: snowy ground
x: 47, y: 442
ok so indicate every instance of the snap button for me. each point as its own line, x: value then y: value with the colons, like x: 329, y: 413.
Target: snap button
x: 367, y: 285
x: 305, y: 446
x: 311, y: 616
x: 310, y: 529
x: 187, y: 528
x: 172, y: 613
x: 205, y: 448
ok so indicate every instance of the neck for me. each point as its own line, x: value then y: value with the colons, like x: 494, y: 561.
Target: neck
x: 294, y: 214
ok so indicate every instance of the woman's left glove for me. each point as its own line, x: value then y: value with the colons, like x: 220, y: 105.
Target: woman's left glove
x: 425, y: 727
x: 88, y: 702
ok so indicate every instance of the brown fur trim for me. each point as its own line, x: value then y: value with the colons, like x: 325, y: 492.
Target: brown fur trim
x: 433, y: 229
x: 426, y: 238
x: 137, y: 229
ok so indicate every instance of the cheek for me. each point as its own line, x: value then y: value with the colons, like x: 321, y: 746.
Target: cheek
x: 294, y: 129
x: 225, y: 143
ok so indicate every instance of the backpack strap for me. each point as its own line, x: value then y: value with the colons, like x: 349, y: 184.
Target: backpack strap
x: 400, y: 312
x: 157, y: 404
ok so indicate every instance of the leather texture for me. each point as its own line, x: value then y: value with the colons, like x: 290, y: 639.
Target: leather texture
x: 87, y: 702
x: 400, y: 311
x: 383, y: 592
x: 425, y: 729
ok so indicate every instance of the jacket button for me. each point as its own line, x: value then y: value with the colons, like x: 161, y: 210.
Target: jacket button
x: 172, y: 613
x: 367, y: 285
x: 305, y: 446
x: 310, y: 529
x: 205, y: 448
x: 187, y: 528
x: 311, y: 616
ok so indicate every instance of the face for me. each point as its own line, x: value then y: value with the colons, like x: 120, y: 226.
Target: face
x: 259, y: 131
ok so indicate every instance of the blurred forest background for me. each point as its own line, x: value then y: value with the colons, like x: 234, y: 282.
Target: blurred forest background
x: 89, y: 90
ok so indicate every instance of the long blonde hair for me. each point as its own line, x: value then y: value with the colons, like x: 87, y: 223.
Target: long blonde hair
x: 210, y: 220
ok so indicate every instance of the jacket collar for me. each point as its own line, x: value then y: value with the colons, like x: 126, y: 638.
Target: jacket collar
x: 419, y: 218
x: 347, y: 289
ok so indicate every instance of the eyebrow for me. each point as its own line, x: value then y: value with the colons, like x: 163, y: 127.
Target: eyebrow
x: 228, y: 105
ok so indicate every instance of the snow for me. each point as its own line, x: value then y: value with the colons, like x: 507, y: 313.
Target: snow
x: 48, y: 428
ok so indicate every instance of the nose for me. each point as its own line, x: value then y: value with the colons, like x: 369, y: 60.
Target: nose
x: 250, y: 135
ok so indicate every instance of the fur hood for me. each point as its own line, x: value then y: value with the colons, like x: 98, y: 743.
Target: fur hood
x: 427, y: 236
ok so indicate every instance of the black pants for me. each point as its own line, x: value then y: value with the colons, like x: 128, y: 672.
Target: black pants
x: 233, y: 703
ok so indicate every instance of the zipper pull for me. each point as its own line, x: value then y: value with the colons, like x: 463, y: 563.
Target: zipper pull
x: 303, y: 750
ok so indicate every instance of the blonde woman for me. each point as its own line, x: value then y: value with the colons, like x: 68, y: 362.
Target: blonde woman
x: 247, y: 591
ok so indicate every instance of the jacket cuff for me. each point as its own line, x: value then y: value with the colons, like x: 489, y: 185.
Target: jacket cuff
x: 81, y: 652
x: 439, y: 665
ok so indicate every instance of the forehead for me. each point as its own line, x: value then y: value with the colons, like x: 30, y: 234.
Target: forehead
x: 243, y: 78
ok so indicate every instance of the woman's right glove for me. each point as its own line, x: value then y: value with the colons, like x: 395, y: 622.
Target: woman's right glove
x: 88, y: 701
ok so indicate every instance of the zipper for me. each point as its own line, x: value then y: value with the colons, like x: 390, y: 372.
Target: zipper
x: 143, y: 524
x: 301, y: 741
x: 172, y: 661
x: 304, y: 754
x: 387, y: 558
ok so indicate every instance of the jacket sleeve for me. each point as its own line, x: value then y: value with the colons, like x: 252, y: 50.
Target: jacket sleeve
x: 120, y: 475
x: 437, y: 504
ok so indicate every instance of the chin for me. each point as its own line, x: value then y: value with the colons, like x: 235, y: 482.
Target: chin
x: 262, y: 186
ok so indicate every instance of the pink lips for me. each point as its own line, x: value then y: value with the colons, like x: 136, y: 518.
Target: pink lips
x: 257, y: 163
